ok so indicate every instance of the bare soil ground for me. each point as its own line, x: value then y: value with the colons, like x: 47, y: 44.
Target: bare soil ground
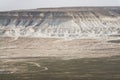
x: 66, y: 49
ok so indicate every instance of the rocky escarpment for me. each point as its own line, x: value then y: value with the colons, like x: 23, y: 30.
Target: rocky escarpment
x: 83, y: 22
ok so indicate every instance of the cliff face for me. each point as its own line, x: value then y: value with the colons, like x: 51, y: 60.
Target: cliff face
x: 61, y: 22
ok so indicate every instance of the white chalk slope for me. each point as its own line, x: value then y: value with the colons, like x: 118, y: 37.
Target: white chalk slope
x: 61, y: 24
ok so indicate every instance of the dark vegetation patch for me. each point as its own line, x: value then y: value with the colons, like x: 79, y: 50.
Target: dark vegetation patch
x: 74, y: 69
x: 114, y: 41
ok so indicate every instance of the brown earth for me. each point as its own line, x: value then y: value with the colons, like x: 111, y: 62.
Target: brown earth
x: 66, y: 49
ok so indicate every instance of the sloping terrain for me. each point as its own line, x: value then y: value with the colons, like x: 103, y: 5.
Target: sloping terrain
x: 83, y: 22
x: 50, y: 56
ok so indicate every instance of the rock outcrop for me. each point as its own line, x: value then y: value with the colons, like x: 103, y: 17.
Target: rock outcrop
x: 81, y: 22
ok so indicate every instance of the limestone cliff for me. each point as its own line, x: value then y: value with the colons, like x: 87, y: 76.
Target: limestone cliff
x: 79, y: 22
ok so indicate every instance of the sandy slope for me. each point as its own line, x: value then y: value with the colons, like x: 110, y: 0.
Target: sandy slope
x: 67, y: 49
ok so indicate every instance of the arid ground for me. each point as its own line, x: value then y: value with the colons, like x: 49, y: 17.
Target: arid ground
x: 59, y: 59
x: 60, y: 48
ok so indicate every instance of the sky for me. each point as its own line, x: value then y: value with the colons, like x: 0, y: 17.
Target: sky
x: 32, y: 4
